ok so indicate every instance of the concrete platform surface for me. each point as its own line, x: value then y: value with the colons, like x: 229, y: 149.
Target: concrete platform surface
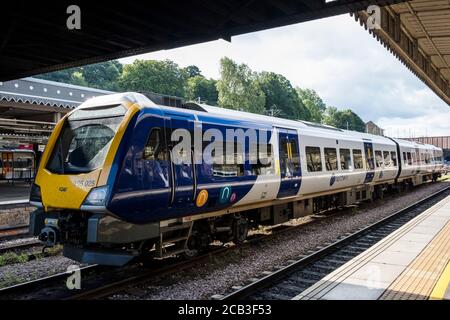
x: 14, y: 193
x: 412, y: 263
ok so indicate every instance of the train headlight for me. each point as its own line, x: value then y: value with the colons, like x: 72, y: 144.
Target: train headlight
x: 97, y: 197
x: 35, y: 195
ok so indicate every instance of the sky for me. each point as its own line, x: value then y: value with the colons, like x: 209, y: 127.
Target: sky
x: 336, y: 57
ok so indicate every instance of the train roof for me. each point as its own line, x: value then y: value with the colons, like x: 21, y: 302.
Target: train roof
x: 200, y: 109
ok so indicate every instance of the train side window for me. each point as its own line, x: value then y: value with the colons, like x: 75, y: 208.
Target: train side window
x: 394, y: 158
x: 313, y: 159
x: 331, y: 159
x: 229, y: 165
x: 404, y: 158
x: 295, y: 155
x: 378, y: 159
x: 408, y: 155
x: 263, y: 163
x: 413, y: 158
x: 153, y: 145
x: 427, y: 158
x: 346, y: 160
x: 387, y: 159
x: 357, y: 159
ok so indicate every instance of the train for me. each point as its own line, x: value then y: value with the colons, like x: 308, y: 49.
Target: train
x: 123, y: 177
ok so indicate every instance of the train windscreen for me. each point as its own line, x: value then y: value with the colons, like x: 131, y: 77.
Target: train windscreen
x: 85, y: 139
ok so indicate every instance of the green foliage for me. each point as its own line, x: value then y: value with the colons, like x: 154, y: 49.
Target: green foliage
x: 312, y: 101
x: 103, y: 75
x: 343, y: 119
x: 77, y: 78
x: 198, y: 87
x: 192, y: 71
x: 281, y: 96
x: 238, y: 88
x: 164, y: 77
x: 12, y: 257
x: 64, y: 76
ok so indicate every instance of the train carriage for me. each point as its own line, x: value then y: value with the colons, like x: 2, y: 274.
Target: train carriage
x: 121, y: 176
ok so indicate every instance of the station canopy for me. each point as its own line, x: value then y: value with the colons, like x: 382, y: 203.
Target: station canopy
x: 418, y: 33
x: 34, y: 36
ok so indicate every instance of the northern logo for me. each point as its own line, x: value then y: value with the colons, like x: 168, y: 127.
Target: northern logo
x: 332, y: 180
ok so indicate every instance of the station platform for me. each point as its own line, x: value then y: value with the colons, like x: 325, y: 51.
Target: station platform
x: 412, y: 263
x: 14, y: 193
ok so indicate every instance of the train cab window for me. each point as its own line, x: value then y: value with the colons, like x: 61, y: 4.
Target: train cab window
x: 313, y: 159
x: 346, y: 160
x: 378, y: 159
x: 82, y: 145
x: 394, y: 158
x: 408, y: 155
x: 357, y: 159
x: 387, y: 159
x: 331, y: 159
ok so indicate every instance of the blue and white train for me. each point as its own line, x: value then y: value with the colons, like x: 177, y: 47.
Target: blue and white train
x: 108, y: 189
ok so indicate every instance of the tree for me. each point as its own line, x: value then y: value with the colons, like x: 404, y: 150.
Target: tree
x: 344, y: 119
x: 192, y: 71
x: 78, y: 79
x: 281, y: 95
x: 238, y: 88
x: 312, y: 101
x: 164, y: 77
x: 200, y: 87
x: 64, y: 76
x: 104, y: 75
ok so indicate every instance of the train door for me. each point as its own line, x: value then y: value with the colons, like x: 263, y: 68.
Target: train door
x: 417, y: 160
x: 145, y: 179
x: 370, y: 164
x: 290, y: 170
x: 182, y: 163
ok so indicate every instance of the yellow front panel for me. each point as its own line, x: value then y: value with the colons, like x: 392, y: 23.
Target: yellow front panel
x: 66, y: 191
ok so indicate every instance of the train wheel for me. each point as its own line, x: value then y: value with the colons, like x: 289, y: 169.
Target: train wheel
x: 240, y: 229
x: 198, y: 241
x: 191, y: 250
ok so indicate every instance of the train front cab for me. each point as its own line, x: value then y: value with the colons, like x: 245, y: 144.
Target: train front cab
x: 74, y: 182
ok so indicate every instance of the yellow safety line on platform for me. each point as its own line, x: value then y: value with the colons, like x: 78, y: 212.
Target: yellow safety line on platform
x: 441, y: 286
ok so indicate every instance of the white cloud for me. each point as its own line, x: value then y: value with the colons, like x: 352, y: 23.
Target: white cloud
x: 337, y: 58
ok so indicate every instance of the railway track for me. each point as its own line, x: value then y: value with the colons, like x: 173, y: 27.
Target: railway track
x: 100, y: 281
x: 19, y: 231
x: 288, y: 281
x: 20, y: 246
